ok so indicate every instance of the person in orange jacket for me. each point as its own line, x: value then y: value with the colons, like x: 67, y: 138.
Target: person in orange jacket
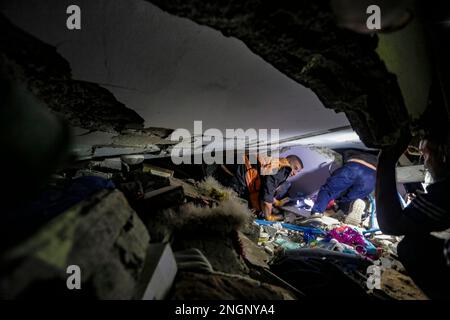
x: 258, y: 182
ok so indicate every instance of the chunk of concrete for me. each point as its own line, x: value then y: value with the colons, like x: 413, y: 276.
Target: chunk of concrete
x: 101, y: 235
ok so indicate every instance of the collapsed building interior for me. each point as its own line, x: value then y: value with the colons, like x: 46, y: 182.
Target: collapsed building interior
x: 86, y: 123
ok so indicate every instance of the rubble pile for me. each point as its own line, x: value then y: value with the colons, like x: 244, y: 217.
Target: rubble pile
x: 138, y: 231
x: 362, y: 253
x: 135, y: 231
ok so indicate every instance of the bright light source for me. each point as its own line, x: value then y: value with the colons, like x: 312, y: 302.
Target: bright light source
x: 347, y: 136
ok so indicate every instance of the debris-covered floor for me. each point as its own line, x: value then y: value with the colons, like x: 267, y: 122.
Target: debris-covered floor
x: 146, y: 234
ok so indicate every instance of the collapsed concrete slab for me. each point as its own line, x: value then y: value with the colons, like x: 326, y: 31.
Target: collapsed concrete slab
x: 48, y: 76
x: 302, y: 40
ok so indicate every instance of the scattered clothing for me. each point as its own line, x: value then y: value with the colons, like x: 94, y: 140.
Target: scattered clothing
x: 347, y: 235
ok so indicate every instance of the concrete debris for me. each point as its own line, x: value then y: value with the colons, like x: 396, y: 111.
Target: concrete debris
x: 114, y: 151
x: 334, y: 156
x: 83, y: 105
x: 48, y: 75
x: 152, y: 132
x: 137, y: 140
x: 221, y: 251
x: 112, y: 163
x: 102, y: 235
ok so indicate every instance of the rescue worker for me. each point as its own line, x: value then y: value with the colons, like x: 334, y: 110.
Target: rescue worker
x: 348, y: 186
x: 258, y: 182
x: 423, y: 250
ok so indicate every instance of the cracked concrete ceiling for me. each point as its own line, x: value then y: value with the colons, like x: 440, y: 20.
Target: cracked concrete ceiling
x: 172, y: 71
x: 302, y: 40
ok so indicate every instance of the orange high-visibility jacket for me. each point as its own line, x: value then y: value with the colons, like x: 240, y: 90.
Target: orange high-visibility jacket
x: 267, y: 166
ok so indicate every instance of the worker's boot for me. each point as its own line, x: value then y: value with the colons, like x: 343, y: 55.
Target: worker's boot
x: 356, y: 212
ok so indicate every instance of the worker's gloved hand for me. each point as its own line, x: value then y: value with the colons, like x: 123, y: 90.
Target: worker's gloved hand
x: 269, y: 216
x: 274, y: 217
x: 276, y: 203
x: 268, y: 213
x: 280, y: 203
